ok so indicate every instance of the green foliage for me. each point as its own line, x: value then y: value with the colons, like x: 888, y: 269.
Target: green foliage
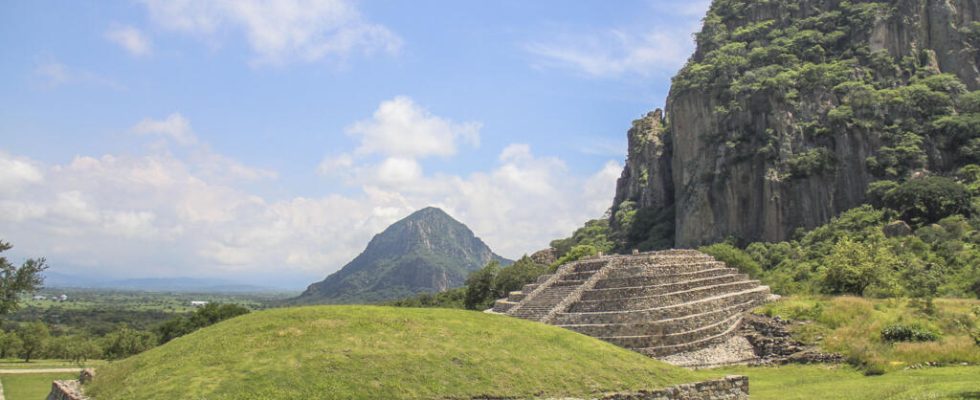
x: 811, y: 162
x: 928, y: 199
x: 854, y: 268
x: 16, y: 281
x: 518, y: 274
x: 908, y: 333
x: 595, y: 233
x: 576, y: 253
x: 883, y: 335
x: 209, y: 314
x: 33, y: 336
x: 734, y: 257
x: 480, y: 288
x: 126, y: 342
x: 10, y: 344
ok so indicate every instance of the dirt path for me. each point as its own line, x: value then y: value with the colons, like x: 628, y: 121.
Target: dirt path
x: 38, y: 370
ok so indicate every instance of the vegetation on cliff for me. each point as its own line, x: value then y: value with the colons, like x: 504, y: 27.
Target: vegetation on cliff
x: 379, y: 352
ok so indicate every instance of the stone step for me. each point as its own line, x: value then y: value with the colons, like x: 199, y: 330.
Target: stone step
x: 653, y: 269
x: 564, y: 282
x: 530, y: 287
x: 516, y: 297
x: 502, y: 306
x: 677, y: 338
x: 578, y: 276
x: 665, y: 326
x: 650, y: 290
x: 660, y: 351
x: 543, y: 278
x: 590, y: 265
x: 756, y: 296
x: 649, y: 280
x: 660, y: 300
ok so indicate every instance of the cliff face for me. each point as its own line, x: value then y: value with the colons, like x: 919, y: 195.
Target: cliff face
x: 788, y: 110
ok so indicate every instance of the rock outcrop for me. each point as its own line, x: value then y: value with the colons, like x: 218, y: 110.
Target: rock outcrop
x: 773, y: 124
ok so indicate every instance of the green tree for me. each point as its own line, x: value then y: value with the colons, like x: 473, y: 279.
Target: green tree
x: 515, y: 276
x: 929, y: 199
x: 10, y: 344
x: 33, y: 336
x: 16, y: 281
x: 125, y: 342
x: 734, y: 257
x: 480, y: 290
x: 855, y: 267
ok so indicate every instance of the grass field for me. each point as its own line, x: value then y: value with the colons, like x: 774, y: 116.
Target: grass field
x: 30, y: 386
x: 828, y: 382
x: 853, y: 326
x: 380, y: 352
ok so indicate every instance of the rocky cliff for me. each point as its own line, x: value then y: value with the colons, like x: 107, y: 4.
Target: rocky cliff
x: 428, y: 251
x: 789, y: 110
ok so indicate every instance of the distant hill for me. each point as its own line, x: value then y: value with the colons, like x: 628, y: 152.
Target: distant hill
x: 179, y: 284
x: 427, y: 251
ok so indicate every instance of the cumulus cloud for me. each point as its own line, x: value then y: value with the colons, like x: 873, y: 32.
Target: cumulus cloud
x: 175, y: 126
x: 281, y: 31
x: 188, y: 212
x: 402, y: 128
x: 130, y: 39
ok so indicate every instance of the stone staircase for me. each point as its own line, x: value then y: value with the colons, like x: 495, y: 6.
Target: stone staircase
x: 657, y: 303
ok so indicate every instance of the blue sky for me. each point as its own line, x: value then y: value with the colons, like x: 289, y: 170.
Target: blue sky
x: 270, y: 140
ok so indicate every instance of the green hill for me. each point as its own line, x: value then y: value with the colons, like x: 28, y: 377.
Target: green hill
x: 379, y: 352
x: 427, y: 251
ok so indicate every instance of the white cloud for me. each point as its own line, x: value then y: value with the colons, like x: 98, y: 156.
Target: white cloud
x: 130, y: 39
x: 399, y: 127
x: 614, y: 53
x: 280, y: 31
x: 51, y: 74
x: 15, y: 172
x: 175, y: 126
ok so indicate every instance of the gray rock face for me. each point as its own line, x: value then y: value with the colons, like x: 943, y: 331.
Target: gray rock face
x: 725, y: 173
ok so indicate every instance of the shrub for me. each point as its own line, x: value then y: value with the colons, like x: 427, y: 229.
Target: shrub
x: 734, y: 257
x: 929, y: 199
x: 908, y: 333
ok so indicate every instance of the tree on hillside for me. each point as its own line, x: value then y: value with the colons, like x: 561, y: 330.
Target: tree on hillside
x: 9, y: 344
x: 32, y: 336
x: 480, y: 291
x: 125, y: 342
x: 16, y: 281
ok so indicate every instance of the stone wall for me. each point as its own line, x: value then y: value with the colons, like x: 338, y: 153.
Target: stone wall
x: 66, y: 390
x: 732, y: 387
x: 729, y: 388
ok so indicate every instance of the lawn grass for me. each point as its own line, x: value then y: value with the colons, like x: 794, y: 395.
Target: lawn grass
x: 852, y: 326
x: 829, y: 382
x: 381, y: 352
x: 30, y: 386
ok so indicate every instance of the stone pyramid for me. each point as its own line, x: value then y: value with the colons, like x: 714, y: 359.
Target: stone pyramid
x: 658, y: 303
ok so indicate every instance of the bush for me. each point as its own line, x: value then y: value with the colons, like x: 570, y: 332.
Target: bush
x: 734, y: 257
x: 927, y: 200
x: 908, y: 333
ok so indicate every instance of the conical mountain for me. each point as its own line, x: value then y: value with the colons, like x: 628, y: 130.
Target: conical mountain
x: 428, y: 251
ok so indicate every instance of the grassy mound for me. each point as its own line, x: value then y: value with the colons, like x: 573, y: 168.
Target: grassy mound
x: 379, y: 352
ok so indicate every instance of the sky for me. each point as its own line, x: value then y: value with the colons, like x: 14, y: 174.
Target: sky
x: 266, y: 142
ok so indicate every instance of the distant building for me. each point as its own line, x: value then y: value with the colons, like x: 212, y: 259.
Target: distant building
x: 195, y: 303
x: 40, y: 297
x: 63, y: 297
